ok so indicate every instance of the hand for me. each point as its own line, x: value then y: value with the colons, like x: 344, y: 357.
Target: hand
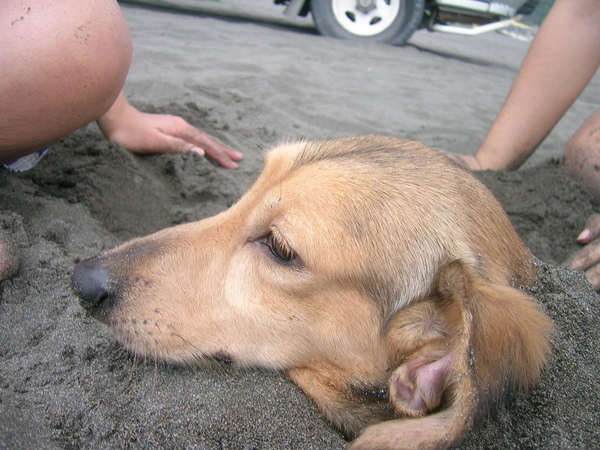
x: 588, y: 258
x: 141, y: 132
x: 470, y: 162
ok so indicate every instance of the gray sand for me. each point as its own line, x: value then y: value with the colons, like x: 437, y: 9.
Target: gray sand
x: 65, y: 383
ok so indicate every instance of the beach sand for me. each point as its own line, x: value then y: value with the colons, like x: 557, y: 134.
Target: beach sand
x: 254, y: 80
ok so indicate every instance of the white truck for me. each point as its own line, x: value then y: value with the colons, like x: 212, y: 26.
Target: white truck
x: 394, y: 21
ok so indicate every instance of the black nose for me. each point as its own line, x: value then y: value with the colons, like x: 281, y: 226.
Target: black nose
x: 91, y: 284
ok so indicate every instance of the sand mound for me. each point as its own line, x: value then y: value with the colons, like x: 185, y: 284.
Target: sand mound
x: 64, y: 382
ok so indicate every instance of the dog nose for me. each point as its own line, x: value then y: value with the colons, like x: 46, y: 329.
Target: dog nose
x: 90, y: 283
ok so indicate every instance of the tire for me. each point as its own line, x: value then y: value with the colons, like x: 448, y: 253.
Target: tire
x: 388, y: 21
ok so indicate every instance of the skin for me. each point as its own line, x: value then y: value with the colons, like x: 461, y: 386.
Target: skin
x: 560, y: 63
x: 63, y: 65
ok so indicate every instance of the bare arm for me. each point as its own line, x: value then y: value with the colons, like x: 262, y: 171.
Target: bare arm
x: 560, y: 63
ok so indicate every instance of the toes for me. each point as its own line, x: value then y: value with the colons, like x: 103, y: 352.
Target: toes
x: 9, y: 257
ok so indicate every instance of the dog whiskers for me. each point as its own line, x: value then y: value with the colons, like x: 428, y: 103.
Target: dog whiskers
x: 261, y: 147
x: 199, y: 353
x: 198, y: 357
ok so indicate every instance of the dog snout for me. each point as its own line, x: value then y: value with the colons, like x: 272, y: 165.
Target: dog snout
x: 101, y: 282
x: 91, y: 283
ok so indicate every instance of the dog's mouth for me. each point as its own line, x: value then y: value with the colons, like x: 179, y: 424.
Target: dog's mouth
x: 222, y: 358
x: 161, y: 341
x: 151, y: 335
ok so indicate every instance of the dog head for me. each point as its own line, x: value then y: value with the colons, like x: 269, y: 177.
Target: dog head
x: 369, y: 269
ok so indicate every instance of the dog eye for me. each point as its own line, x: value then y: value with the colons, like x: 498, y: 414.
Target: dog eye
x: 279, y: 249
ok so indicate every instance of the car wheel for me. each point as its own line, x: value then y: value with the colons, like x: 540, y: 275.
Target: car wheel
x: 390, y: 21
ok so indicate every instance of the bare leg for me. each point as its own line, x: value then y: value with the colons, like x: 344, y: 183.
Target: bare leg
x: 582, y: 155
x: 62, y: 65
x: 582, y: 162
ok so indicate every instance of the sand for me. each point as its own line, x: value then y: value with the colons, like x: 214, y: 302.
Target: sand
x: 253, y: 78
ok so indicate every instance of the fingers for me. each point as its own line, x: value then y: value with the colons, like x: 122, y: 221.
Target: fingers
x: 195, y: 140
x: 171, y: 144
x: 588, y: 260
x: 218, y: 151
x: 591, y: 230
x: 141, y: 132
x: 593, y: 276
x: 585, y: 258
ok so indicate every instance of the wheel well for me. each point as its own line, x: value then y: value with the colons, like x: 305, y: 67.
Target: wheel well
x: 295, y: 7
x: 305, y: 8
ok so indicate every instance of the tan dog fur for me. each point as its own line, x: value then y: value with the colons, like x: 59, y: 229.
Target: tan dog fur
x: 379, y: 275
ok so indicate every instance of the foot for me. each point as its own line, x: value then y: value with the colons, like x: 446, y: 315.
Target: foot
x: 9, y: 257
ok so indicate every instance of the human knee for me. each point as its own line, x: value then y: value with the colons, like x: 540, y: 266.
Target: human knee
x: 582, y: 157
x: 66, y: 58
x: 108, y: 52
x: 100, y: 45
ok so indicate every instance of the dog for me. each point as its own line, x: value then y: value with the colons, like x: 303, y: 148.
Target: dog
x: 377, y: 273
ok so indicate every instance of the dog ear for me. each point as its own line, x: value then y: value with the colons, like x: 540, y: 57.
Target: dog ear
x: 455, y: 352
x: 418, y: 339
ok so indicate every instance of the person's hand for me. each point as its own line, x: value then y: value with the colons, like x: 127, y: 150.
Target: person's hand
x: 141, y: 132
x: 467, y: 161
x: 588, y: 258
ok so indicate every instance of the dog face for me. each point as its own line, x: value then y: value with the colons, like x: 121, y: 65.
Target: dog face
x: 372, y: 270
